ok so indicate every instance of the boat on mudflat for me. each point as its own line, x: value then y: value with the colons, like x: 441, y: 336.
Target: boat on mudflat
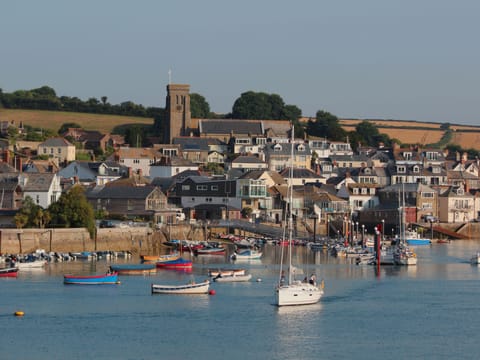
x: 9, y: 272
x: 134, y: 269
x: 190, y: 288
x: 102, y: 279
x: 177, y: 264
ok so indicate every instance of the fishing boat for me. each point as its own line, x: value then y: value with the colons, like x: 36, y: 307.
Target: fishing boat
x: 34, y: 264
x: 102, y: 279
x: 159, y: 258
x: 475, y: 259
x: 233, y: 278
x: 177, y: 264
x: 290, y: 291
x: 413, y: 238
x: 248, y: 254
x: 9, y: 272
x: 210, y: 250
x: 225, y: 272
x: 190, y: 288
x: 134, y: 269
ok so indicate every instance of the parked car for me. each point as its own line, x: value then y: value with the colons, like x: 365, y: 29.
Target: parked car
x: 430, y: 218
x: 107, y: 224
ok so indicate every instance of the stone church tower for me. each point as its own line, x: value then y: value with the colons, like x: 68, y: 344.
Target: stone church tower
x: 177, y: 109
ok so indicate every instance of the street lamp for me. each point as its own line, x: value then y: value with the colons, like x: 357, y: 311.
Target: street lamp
x: 363, y: 235
x: 356, y: 231
x: 383, y: 229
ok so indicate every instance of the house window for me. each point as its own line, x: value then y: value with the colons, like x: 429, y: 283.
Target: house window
x: 185, y: 187
x: 364, y: 191
x: 44, y: 150
x: 202, y: 187
x: 214, y: 188
x: 355, y: 190
x: 416, y: 169
x: 51, y: 151
x: 401, y: 169
x: 38, y: 199
x: 129, y: 205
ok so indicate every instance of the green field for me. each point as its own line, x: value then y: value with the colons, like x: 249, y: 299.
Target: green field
x: 53, y: 120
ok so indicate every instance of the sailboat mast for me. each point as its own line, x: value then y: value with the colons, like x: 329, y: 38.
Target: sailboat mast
x: 290, y: 216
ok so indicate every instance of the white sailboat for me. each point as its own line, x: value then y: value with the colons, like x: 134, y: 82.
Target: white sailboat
x: 403, y: 255
x: 290, y: 291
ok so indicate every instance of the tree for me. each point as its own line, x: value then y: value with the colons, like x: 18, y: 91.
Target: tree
x: 368, y: 131
x: 31, y: 215
x: 104, y: 100
x: 260, y: 105
x: 326, y: 125
x: 135, y: 135
x: 73, y: 210
x: 199, y: 107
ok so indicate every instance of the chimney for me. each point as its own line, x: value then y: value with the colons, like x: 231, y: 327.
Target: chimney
x: 6, y: 156
x: 464, y: 157
x: 467, y: 187
x: 19, y: 164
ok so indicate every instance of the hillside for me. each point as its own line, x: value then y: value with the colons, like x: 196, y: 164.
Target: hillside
x: 415, y: 132
x: 408, y: 132
x: 53, y: 120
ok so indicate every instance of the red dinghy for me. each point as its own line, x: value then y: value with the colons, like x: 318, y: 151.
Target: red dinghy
x: 9, y: 272
x: 177, y: 264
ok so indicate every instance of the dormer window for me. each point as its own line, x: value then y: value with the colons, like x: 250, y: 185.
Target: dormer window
x: 416, y: 169
x: 277, y: 147
x: 355, y: 191
x: 401, y: 169
x: 407, y: 155
x: 301, y: 147
x: 460, y: 191
x: 435, y: 169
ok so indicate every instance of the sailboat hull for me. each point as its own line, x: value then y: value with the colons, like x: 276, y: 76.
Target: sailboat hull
x: 298, y: 293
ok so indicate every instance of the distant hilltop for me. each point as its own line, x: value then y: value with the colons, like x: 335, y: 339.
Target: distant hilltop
x: 406, y: 131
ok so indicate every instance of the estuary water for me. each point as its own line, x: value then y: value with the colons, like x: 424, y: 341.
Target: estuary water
x: 430, y: 311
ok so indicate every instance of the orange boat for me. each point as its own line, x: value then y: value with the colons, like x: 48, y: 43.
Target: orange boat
x: 159, y: 258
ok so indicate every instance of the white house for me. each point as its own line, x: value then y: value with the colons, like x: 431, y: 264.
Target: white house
x: 43, y: 188
x: 172, y: 166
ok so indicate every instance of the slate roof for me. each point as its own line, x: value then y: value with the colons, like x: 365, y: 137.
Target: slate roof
x: 56, y: 142
x: 120, y: 192
x: 247, y: 160
x: 192, y: 143
x: 228, y: 126
x: 38, y: 182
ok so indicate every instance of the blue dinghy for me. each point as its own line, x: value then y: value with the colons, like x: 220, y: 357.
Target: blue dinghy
x: 104, y: 279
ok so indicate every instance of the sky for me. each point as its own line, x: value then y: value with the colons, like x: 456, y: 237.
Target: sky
x: 370, y: 59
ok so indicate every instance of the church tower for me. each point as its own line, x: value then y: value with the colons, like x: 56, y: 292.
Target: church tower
x: 177, y: 109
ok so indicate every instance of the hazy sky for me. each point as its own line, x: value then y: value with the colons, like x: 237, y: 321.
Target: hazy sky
x: 406, y: 59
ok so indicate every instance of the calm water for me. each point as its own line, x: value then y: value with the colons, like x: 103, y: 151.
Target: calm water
x: 429, y: 311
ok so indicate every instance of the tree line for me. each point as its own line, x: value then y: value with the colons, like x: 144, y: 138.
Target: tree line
x: 250, y: 105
